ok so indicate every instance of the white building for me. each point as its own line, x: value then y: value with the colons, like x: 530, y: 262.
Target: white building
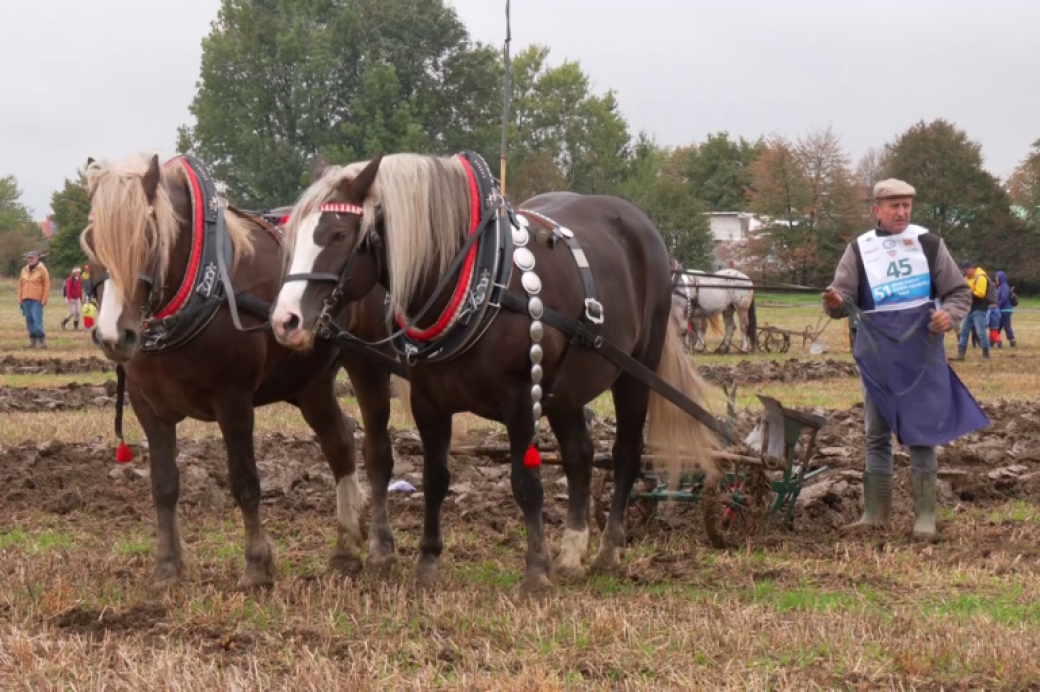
x: 729, y: 227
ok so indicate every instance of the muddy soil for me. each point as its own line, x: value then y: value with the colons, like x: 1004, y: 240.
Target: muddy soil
x: 76, y: 395
x: 792, y: 370
x: 15, y: 365
x: 983, y: 469
x: 67, y: 397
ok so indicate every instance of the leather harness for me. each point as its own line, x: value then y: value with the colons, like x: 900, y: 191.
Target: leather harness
x: 487, y: 293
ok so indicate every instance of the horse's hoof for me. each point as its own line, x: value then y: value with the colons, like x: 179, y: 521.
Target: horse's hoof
x: 257, y: 576
x: 426, y: 574
x: 166, y: 575
x: 606, y: 562
x: 349, y: 565
x: 380, y: 564
x: 569, y: 574
x: 536, y: 584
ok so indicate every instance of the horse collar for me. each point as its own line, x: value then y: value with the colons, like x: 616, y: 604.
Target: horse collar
x: 201, y: 293
x: 485, y: 273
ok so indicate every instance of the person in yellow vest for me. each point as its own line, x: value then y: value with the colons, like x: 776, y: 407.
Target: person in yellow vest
x: 982, y: 296
x: 34, y: 289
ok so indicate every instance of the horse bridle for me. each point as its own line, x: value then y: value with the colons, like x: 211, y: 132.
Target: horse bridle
x: 324, y: 326
x: 153, y: 298
x: 331, y: 305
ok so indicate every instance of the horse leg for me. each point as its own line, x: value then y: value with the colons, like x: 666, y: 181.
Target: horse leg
x: 372, y: 388
x: 434, y: 428
x: 323, y: 414
x: 530, y: 496
x: 702, y: 334
x: 166, y: 488
x: 575, y: 445
x: 727, y: 339
x: 631, y: 400
x: 744, y: 339
x: 235, y: 417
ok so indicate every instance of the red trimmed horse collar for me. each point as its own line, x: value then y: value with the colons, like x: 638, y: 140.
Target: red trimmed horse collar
x: 200, y: 293
x: 484, y: 274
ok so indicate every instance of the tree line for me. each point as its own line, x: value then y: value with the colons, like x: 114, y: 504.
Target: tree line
x: 281, y: 81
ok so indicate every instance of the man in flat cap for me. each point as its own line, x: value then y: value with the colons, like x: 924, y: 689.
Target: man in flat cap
x: 34, y: 288
x: 906, y: 290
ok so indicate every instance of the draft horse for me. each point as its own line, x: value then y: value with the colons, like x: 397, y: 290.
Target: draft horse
x: 706, y: 296
x: 480, y: 299
x: 158, y: 250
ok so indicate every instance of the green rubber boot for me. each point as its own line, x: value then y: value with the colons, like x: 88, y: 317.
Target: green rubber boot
x: 877, y: 501
x: 924, y: 505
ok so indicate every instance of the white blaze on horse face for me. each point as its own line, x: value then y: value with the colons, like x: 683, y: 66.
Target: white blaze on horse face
x: 109, y: 313
x: 305, y: 254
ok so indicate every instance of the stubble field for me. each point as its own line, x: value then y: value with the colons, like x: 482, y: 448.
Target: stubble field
x: 781, y: 610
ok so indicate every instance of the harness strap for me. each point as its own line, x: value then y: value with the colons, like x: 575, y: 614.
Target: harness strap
x: 225, y: 277
x: 347, y: 342
x: 120, y: 396
x: 630, y: 365
x: 260, y: 308
x: 313, y: 276
x: 593, y: 308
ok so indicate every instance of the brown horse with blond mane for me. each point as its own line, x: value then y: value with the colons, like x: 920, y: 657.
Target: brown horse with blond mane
x: 147, y: 243
x: 428, y: 229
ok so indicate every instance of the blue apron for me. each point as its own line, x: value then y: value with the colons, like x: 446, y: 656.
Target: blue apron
x: 904, y: 371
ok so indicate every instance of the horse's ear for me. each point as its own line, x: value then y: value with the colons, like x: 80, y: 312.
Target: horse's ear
x: 359, y: 186
x: 318, y: 167
x: 90, y: 160
x: 150, y: 181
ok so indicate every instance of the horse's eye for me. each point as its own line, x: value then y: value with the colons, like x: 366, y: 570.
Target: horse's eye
x: 339, y: 237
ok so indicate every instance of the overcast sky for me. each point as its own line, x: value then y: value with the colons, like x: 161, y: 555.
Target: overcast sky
x: 110, y: 77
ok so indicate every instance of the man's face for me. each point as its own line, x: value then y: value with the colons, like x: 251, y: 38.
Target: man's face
x: 970, y: 272
x: 33, y: 261
x: 893, y: 213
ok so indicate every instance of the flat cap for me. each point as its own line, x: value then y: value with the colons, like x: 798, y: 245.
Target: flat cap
x: 967, y: 264
x: 893, y: 188
x: 32, y: 253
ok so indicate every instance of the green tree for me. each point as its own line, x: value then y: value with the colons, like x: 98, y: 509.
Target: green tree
x: 71, y: 215
x: 956, y: 197
x: 810, y: 202
x: 560, y: 131
x: 655, y: 183
x: 18, y: 233
x: 282, y: 79
x: 1024, y: 187
x: 719, y: 170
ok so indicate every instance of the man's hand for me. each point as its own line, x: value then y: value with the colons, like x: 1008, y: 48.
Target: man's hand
x: 832, y: 299
x: 940, y: 321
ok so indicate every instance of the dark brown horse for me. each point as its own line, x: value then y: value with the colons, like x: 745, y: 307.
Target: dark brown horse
x: 401, y: 221
x: 144, y: 240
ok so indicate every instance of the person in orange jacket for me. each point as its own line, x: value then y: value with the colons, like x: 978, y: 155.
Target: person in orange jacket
x: 34, y: 289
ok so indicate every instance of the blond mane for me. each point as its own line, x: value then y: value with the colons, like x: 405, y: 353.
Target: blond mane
x: 125, y: 241
x: 424, y: 203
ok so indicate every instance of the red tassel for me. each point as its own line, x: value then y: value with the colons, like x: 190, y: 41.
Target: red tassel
x: 124, y: 455
x: 532, y: 459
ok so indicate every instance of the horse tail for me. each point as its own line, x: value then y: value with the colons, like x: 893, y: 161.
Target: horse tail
x: 752, y: 322
x: 716, y: 324
x: 672, y: 435
x: 403, y: 389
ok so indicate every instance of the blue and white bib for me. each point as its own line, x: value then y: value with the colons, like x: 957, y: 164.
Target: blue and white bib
x: 896, y: 269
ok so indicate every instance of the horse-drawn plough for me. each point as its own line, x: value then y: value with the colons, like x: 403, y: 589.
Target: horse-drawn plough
x: 772, y: 339
x: 761, y: 478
